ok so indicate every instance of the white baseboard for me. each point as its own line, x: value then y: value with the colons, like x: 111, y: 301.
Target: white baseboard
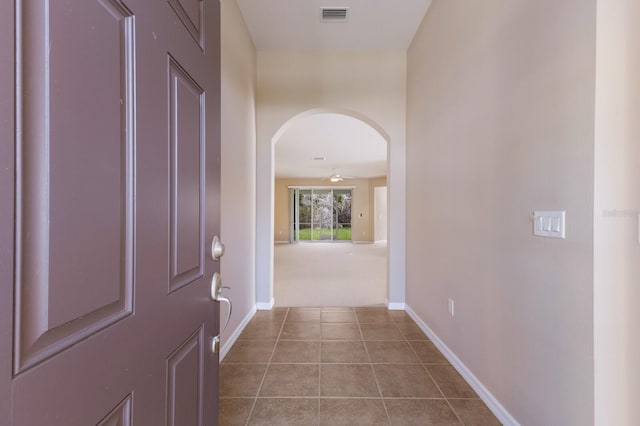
x: 494, y: 405
x: 226, y: 346
x: 396, y: 306
x: 261, y: 306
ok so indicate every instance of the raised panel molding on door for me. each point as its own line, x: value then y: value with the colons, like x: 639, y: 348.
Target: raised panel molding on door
x: 191, y: 15
x: 119, y: 416
x: 65, y: 293
x: 187, y: 150
x: 184, y: 381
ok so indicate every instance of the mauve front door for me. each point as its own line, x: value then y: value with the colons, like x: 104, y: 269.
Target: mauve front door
x: 109, y: 181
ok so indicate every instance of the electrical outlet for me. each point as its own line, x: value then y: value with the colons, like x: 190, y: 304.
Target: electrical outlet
x: 451, y: 306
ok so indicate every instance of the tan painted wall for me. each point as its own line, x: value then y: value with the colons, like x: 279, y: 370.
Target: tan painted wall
x: 372, y: 85
x: 238, y: 164
x: 362, y: 227
x: 373, y: 184
x: 617, y: 207
x: 500, y: 115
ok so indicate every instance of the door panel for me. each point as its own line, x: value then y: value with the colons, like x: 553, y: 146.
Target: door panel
x: 87, y: 127
x: 66, y: 133
x: 117, y: 189
x: 191, y: 16
x: 187, y: 131
x: 120, y: 416
x: 185, y: 389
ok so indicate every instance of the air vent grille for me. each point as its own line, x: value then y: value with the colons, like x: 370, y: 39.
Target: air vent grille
x: 334, y: 13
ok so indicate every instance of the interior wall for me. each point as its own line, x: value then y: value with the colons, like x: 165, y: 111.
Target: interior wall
x: 371, y: 85
x: 617, y: 211
x: 373, y: 184
x: 500, y: 123
x: 380, y: 213
x: 362, y: 204
x: 238, y: 218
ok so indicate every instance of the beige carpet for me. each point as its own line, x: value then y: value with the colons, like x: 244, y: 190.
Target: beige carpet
x: 330, y: 274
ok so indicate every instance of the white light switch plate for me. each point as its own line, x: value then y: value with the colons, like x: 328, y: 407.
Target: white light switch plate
x: 550, y: 224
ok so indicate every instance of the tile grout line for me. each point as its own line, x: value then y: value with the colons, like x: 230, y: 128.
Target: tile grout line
x: 443, y: 395
x: 319, y: 369
x: 366, y: 398
x: 375, y: 376
x: 264, y: 376
x: 406, y: 336
x: 432, y: 379
x: 320, y: 364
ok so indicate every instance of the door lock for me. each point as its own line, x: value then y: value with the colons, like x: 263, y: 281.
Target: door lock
x: 217, y: 248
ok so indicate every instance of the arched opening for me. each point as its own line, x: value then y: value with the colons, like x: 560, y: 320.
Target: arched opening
x: 335, y: 158
x: 342, y: 111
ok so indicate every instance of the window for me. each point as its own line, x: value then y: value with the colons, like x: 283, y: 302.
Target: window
x: 321, y: 214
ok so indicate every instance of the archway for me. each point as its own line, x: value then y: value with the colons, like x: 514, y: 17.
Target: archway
x: 265, y: 205
x: 340, y: 111
x: 326, y: 169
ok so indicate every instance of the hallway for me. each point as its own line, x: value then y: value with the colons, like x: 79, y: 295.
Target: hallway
x: 342, y: 366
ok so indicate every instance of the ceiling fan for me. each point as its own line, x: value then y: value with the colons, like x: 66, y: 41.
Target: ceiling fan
x: 337, y: 177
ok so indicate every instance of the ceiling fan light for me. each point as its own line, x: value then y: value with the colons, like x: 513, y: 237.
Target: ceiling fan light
x: 335, y: 179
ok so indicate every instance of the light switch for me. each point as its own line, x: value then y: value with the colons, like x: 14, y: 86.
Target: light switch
x: 549, y: 224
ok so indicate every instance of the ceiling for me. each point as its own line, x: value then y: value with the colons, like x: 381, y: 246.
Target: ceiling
x: 295, y: 25
x: 349, y: 146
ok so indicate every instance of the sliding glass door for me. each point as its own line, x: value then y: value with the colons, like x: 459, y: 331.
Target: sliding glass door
x: 303, y: 223
x: 321, y: 214
x: 342, y: 214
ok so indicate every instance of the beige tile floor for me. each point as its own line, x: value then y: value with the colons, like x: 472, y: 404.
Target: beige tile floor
x: 342, y: 366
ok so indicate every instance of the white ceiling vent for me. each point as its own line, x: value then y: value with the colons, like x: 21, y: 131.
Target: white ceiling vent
x: 334, y: 14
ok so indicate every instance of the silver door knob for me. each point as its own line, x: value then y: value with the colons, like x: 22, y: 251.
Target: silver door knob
x: 217, y: 248
x: 215, y: 344
x: 216, y: 295
x: 216, y: 286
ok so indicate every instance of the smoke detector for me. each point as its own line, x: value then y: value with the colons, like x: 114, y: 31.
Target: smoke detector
x: 334, y: 14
